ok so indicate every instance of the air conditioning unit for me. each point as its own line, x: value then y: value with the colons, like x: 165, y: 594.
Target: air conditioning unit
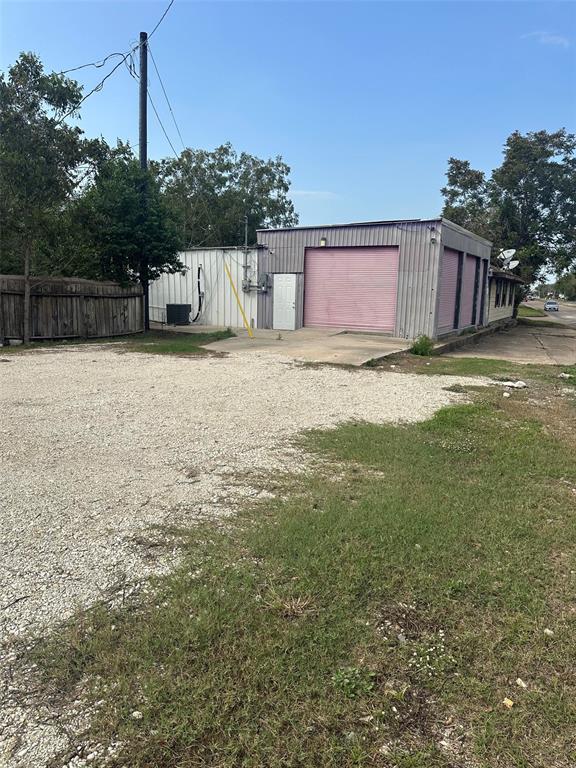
x: 178, y: 314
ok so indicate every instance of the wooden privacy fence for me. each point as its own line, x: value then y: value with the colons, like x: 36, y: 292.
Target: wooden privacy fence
x: 69, y: 307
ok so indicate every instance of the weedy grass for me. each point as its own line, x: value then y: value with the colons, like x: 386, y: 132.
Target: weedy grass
x: 376, y: 616
x: 476, y: 366
x: 170, y: 343
x: 152, y: 342
x: 423, y: 346
x: 537, y: 323
x: 525, y: 311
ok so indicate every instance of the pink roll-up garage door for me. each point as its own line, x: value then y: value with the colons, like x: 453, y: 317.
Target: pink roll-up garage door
x: 467, y: 295
x: 351, y: 288
x: 448, y: 289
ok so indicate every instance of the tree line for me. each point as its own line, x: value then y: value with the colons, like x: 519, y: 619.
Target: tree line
x: 527, y: 203
x: 564, y: 287
x: 75, y: 206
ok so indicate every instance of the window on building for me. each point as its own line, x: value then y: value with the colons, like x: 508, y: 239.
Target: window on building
x: 498, y: 292
x: 511, y: 294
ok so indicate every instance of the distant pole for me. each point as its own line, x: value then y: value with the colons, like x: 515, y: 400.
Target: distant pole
x: 143, y: 136
x: 246, y: 231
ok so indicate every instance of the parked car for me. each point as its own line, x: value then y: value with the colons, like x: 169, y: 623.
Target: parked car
x: 551, y: 306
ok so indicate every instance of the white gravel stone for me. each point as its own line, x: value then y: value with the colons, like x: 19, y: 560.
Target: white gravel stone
x: 96, y: 446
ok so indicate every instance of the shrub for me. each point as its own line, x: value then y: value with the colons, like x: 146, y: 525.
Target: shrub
x: 422, y: 346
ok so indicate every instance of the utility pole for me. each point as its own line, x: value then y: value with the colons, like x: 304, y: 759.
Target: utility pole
x: 143, y: 136
x: 143, y: 100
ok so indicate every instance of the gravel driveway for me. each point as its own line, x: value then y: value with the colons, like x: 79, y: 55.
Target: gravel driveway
x: 96, y: 446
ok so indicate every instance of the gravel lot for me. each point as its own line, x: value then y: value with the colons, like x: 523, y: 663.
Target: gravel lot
x: 96, y: 446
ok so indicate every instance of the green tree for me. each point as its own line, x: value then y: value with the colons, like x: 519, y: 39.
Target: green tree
x: 211, y: 193
x: 528, y: 202
x: 128, y: 224
x: 566, y: 285
x: 466, y: 200
x: 43, y: 159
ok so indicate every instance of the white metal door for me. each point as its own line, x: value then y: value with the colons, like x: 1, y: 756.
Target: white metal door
x: 284, y: 302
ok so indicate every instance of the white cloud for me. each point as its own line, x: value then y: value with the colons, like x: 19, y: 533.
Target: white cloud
x: 318, y: 194
x: 548, y: 38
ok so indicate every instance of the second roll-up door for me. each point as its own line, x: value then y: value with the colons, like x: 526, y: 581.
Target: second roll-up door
x: 351, y: 288
x: 448, y: 290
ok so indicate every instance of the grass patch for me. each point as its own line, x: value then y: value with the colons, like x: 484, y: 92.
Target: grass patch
x: 167, y: 343
x: 475, y: 366
x: 377, y: 617
x: 535, y: 322
x: 153, y: 342
x: 525, y: 311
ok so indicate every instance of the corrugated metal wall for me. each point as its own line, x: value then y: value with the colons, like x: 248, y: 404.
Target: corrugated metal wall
x: 455, y: 238
x: 419, y: 247
x: 220, y: 306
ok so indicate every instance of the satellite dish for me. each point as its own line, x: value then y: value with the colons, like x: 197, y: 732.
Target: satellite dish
x: 513, y: 264
x: 508, y: 254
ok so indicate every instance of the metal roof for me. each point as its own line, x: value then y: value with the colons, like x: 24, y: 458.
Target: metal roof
x: 355, y: 224
x: 497, y: 272
x: 381, y: 223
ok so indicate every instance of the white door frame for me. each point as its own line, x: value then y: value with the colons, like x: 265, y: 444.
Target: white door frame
x: 284, y: 302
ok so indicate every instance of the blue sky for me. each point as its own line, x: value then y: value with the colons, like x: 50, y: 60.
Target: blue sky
x: 365, y: 101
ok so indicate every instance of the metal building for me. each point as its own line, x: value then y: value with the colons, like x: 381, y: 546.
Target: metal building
x: 404, y: 278
x: 207, y: 289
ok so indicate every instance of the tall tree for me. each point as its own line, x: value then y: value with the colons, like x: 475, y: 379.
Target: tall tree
x: 211, y: 193
x: 528, y: 202
x: 42, y: 161
x: 466, y: 200
x: 128, y: 224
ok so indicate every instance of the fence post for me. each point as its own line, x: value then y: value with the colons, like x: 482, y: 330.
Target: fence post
x: 2, y: 342
x: 83, y: 314
x: 26, y: 310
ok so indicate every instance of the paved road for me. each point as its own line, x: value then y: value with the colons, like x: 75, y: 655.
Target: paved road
x: 567, y: 312
x: 566, y: 315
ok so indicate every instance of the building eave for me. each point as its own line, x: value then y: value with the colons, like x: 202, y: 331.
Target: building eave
x: 385, y: 222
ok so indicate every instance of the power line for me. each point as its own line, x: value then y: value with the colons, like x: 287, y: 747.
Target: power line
x: 100, y: 85
x: 96, y: 64
x: 101, y: 62
x: 166, y: 97
x: 161, y: 19
x: 161, y: 124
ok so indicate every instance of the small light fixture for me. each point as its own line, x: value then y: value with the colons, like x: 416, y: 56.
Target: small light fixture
x: 323, y: 242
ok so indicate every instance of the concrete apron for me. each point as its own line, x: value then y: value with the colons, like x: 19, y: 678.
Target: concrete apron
x: 314, y: 345
x: 525, y: 344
